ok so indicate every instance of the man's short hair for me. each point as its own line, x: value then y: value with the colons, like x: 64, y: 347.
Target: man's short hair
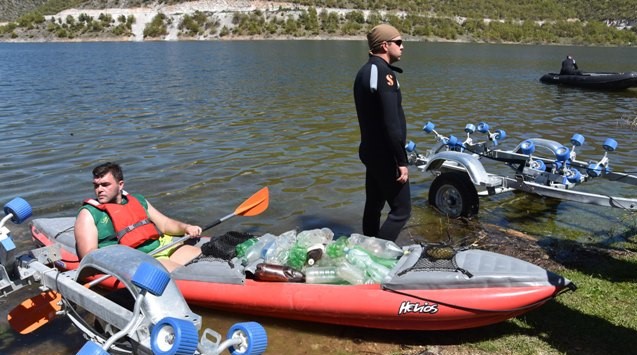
x: 109, y: 167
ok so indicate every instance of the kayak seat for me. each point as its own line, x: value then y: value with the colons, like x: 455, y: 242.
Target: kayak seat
x: 469, y: 268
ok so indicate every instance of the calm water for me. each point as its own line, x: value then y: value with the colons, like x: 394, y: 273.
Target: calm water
x: 200, y: 126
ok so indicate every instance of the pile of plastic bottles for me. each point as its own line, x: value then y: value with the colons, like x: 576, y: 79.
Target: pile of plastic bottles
x: 314, y: 256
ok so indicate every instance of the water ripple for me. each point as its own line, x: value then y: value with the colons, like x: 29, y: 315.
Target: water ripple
x: 200, y: 126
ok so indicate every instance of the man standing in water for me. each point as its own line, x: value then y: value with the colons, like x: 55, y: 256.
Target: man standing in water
x: 383, y: 135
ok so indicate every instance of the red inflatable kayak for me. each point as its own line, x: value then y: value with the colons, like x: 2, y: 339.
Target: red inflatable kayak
x: 472, y: 288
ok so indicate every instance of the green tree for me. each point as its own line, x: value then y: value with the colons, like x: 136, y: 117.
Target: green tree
x: 310, y: 21
x: 157, y: 27
x: 330, y: 21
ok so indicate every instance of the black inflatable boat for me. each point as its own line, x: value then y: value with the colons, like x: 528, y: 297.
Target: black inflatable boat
x: 597, y: 81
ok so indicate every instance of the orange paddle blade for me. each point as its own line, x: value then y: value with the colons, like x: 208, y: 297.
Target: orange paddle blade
x: 35, y: 312
x: 256, y: 204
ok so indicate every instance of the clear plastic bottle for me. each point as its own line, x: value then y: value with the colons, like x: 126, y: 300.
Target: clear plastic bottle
x: 377, y: 272
x: 326, y: 260
x: 378, y: 247
x: 389, y: 263
x: 253, y: 253
x: 364, y: 261
x: 267, y: 247
x: 312, y: 237
x: 279, y: 251
x: 322, y: 275
x: 351, y: 273
x: 358, y: 257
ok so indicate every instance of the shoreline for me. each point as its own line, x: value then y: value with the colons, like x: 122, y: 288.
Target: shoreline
x: 220, y: 12
x: 274, y: 38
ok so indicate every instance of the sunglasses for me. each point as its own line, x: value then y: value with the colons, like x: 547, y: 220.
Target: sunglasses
x: 399, y: 42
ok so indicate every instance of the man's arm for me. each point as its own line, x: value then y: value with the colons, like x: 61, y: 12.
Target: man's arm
x: 171, y: 226
x: 393, y: 126
x: 85, y: 233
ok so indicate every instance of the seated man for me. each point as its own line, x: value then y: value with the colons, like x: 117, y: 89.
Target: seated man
x: 136, y: 224
x: 569, y: 67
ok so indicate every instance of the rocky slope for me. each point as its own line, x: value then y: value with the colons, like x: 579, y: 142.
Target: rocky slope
x: 220, y: 12
x: 10, y: 10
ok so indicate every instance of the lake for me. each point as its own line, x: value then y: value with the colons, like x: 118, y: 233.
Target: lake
x: 200, y: 126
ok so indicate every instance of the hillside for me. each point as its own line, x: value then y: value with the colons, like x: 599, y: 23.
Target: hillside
x: 11, y: 10
x: 542, y: 22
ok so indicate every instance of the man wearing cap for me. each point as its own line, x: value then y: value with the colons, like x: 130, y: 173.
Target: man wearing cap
x: 383, y: 135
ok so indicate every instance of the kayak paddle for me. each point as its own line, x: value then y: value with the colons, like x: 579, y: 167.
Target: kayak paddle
x: 253, y: 206
x: 35, y: 312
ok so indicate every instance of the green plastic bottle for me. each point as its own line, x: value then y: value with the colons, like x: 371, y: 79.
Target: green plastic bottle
x: 243, y: 247
x: 297, y: 257
x: 336, y: 248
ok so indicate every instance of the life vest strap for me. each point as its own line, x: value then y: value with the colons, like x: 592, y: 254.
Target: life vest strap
x: 122, y: 232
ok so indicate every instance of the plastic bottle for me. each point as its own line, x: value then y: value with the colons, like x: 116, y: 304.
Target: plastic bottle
x: 267, y: 247
x: 314, y: 253
x: 253, y: 253
x: 336, y: 248
x: 327, y: 261
x: 314, y: 236
x: 243, y: 247
x: 389, y: 263
x: 376, y: 246
x: 279, y: 251
x: 377, y: 272
x: 277, y: 273
x: 364, y: 261
x: 297, y: 257
x: 322, y: 275
x: 350, y: 273
x: 358, y: 257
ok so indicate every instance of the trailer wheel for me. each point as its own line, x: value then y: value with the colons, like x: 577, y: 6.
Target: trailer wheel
x: 254, y: 339
x: 173, y: 336
x: 91, y: 348
x: 19, y: 208
x: 454, y: 195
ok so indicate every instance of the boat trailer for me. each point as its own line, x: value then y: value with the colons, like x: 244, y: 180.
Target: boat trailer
x: 541, y: 166
x: 158, y: 321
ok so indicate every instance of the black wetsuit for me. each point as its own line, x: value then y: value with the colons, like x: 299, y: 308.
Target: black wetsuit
x: 569, y: 67
x: 383, y: 136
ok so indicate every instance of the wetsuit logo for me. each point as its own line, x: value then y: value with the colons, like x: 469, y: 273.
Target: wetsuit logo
x: 408, y: 307
x: 390, y: 80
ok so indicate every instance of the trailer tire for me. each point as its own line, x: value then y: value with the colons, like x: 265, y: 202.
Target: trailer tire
x: 454, y: 195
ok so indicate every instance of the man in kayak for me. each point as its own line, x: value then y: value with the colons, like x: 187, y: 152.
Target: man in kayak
x: 569, y: 67
x: 383, y: 134
x: 115, y: 217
